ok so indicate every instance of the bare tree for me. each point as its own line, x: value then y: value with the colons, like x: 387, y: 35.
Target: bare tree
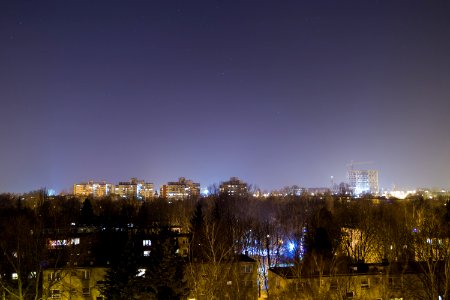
x: 22, y: 251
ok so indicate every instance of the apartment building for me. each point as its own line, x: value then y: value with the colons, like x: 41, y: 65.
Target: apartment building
x: 93, y: 189
x: 180, y: 190
x: 234, y: 187
x: 135, y: 188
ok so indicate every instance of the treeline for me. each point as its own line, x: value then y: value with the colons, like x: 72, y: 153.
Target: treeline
x: 383, y: 228
x: 312, y: 231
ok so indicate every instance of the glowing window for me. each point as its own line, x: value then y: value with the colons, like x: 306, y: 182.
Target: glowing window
x: 56, y: 294
x: 246, y: 269
x: 86, y: 274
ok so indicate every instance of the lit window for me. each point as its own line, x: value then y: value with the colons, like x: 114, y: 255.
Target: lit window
x: 15, y: 276
x: 54, y: 276
x: 146, y: 242
x: 55, y: 294
x: 365, y: 283
x: 147, y: 253
x: 53, y: 244
x: 86, y: 274
x: 246, y: 269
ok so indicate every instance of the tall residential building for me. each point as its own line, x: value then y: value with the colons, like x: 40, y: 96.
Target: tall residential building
x: 363, y: 182
x: 135, y: 188
x: 92, y: 189
x: 180, y: 190
x: 234, y: 187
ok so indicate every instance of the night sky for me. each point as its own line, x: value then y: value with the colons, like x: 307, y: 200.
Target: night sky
x: 274, y: 92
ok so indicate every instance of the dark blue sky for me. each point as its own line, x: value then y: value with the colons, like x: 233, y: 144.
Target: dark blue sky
x: 274, y: 92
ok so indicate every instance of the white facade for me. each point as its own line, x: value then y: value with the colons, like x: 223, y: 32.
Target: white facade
x: 363, y: 182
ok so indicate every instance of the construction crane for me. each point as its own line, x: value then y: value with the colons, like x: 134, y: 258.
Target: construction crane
x: 352, y: 163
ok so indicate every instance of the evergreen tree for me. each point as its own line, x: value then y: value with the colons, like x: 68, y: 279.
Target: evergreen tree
x: 122, y: 280
x: 164, y: 277
x: 197, y: 231
x: 87, y: 213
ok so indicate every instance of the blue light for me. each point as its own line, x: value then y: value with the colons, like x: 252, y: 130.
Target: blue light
x: 291, y: 246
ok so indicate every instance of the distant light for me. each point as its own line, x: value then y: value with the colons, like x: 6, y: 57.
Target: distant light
x: 51, y: 192
x: 204, y: 192
x: 291, y: 246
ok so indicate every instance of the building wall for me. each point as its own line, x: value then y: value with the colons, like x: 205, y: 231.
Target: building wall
x: 234, y: 187
x: 363, y: 181
x: 146, y: 191
x: 135, y: 188
x: 223, y: 280
x: 348, y: 286
x: 180, y: 190
x: 73, y: 283
x: 94, y: 189
x: 128, y: 189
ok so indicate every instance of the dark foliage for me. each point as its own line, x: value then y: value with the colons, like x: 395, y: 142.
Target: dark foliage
x: 164, y: 276
x: 122, y: 281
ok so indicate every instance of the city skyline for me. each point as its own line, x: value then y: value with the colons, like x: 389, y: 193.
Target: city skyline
x: 274, y: 93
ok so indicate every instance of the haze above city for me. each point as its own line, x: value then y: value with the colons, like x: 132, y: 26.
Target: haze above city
x: 274, y: 92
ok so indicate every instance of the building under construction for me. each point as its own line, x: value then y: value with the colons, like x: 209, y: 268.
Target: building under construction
x: 363, y: 182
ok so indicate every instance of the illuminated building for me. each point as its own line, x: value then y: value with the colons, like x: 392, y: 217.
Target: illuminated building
x: 363, y: 182
x: 393, y: 280
x: 93, y: 189
x: 74, y: 283
x: 234, y: 187
x: 135, y: 189
x: 180, y: 190
x: 233, y: 277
